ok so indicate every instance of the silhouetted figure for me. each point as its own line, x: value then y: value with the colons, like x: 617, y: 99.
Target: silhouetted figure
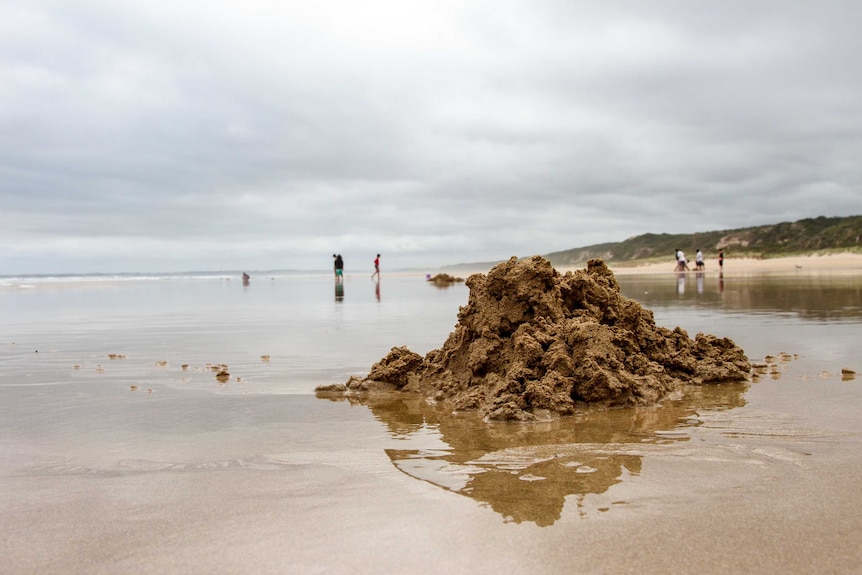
x: 339, y: 269
x: 376, y: 267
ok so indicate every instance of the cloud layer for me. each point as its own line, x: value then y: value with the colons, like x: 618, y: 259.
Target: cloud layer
x: 166, y: 136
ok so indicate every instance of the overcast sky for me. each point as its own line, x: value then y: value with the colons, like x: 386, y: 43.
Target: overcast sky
x: 173, y: 135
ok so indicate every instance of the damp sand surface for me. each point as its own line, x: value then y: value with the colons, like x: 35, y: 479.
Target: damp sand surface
x: 121, y: 451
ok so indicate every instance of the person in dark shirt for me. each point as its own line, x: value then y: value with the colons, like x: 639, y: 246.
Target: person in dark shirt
x: 339, y: 268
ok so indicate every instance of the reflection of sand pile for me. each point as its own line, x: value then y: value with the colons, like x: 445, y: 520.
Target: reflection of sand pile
x: 530, y: 341
x: 530, y: 473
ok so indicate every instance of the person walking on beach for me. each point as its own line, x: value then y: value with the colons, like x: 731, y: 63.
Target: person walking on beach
x: 376, y: 267
x: 698, y: 260
x: 720, y: 259
x: 339, y: 269
x: 681, y: 264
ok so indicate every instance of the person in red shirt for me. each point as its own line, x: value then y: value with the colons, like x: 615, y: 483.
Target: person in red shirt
x: 376, y: 267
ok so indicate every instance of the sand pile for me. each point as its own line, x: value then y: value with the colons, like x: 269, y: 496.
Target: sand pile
x: 442, y: 279
x: 531, y: 342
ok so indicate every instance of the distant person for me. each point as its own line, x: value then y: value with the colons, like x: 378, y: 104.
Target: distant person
x: 681, y: 263
x: 339, y: 268
x: 335, y: 265
x: 376, y: 267
x: 720, y: 259
x: 698, y: 260
x: 245, y: 278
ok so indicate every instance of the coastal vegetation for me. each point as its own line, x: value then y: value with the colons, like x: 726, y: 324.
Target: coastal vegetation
x: 819, y: 235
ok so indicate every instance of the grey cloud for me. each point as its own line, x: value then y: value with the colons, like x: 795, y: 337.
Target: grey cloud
x: 472, y: 131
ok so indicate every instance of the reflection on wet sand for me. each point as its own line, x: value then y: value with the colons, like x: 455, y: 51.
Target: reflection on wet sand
x: 525, y: 472
x: 810, y: 297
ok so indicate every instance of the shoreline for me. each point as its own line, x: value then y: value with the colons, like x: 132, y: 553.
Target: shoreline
x: 845, y: 263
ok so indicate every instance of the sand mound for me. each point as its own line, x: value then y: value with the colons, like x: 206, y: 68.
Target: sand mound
x: 442, y: 279
x: 531, y: 342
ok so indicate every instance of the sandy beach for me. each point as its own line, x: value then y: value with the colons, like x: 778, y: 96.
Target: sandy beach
x: 844, y: 263
x: 834, y: 264
x: 189, y: 474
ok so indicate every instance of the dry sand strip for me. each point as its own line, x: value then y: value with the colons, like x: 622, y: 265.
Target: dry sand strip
x: 850, y: 263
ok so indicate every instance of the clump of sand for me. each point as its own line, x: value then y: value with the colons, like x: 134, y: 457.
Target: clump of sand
x: 531, y: 342
x: 443, y: 279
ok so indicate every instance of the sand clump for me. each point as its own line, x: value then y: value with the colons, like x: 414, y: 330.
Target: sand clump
x: 443, y: 279
x: 531, y: 343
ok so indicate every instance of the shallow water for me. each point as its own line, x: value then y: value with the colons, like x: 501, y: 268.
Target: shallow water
x: 165, y: 461
x: 310, y: 332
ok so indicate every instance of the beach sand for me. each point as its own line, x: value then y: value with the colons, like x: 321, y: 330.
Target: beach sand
x: 247, y: 478
x: 847, y: 263
x: 234, y: 499
x: 843, y: 263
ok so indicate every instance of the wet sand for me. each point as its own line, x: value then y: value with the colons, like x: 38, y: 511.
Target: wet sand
x: 791, y: 507
x: 199, y: 477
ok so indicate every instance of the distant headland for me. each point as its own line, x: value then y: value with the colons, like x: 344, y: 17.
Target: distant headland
x: 820, y: 236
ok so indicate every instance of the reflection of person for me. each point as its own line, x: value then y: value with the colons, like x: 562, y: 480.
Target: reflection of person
x: 698, y: 260
x: 339, y: 291
x: 376, y: 267
x: 339, y: 268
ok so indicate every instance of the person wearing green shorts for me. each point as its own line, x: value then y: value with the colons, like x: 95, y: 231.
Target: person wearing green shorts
x: 339, y: 268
